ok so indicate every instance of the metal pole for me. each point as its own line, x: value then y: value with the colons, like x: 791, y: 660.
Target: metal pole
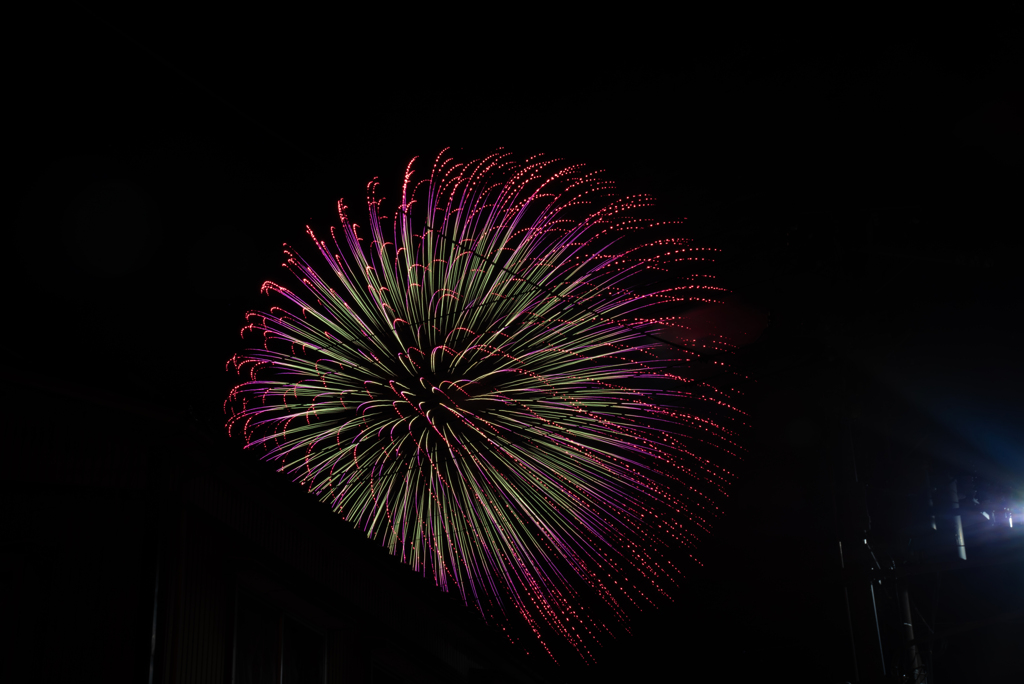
x: 878, y: 628
x: 916, y: 666
x: 931, y: 504
x: 156, y: 603
x: 935, y: 612
x: 849, y: 617
x: 958, y: 528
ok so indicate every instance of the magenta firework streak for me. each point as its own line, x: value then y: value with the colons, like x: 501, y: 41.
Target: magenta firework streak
x: 480, y: 381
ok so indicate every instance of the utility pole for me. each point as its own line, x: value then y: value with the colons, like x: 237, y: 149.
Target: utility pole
x: 861, y: 569
x: 916, y: 664
x: 958, y: 528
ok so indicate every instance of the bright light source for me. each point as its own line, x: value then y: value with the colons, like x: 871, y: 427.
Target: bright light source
x: 986, y: 515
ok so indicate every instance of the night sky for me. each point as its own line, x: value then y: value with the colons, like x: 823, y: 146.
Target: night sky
x: 863, y: 185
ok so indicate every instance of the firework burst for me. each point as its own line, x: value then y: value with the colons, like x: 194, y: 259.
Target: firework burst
x: 477, y: 381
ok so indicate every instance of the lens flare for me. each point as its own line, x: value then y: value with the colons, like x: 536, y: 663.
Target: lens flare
x: 483, y: 382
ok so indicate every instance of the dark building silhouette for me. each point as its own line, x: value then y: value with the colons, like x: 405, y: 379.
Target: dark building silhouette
x: 137, y: 550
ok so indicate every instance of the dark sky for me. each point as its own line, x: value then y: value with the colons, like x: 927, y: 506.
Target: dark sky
x: 862, y: 182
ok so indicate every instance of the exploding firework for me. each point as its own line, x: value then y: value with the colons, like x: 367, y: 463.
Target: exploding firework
x: 478, y: 382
